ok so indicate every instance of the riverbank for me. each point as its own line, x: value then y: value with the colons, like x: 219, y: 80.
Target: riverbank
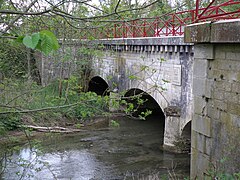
x: 30, y: 130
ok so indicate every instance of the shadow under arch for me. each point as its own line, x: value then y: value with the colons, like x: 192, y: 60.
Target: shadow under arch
x: 157, y: 116
x: 99, y: 86
x: 186, y: 136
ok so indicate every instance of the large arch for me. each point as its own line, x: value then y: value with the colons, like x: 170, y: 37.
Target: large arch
x: 149, y: 104
x: 99, y: 86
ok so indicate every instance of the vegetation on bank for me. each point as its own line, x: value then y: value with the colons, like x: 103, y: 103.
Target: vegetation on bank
x: 64, y: 101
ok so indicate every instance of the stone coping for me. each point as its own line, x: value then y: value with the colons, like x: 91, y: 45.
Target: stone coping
x: 167, y: 40
x: 224, y: 31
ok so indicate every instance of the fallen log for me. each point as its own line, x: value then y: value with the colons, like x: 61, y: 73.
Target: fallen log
x: 54, y: 129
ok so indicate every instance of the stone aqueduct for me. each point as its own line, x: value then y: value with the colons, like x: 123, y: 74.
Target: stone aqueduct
x: 195, y: 79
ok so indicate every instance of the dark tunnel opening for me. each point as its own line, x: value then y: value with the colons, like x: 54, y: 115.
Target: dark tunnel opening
x: 99, y: 86
x: 157, y: 116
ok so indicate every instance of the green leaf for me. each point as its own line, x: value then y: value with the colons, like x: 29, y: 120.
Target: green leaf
x: 35, y: 39
x: 51, y: 36
x: 27, y: 41
x: 46, y: 44
x: 31, y: 41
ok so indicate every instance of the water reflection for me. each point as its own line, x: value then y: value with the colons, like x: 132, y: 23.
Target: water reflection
x: 130, y: 151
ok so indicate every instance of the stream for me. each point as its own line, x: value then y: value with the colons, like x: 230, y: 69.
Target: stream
x: 130, y: 151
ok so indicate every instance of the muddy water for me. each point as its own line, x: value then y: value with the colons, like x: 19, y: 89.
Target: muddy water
x: 130, y: 151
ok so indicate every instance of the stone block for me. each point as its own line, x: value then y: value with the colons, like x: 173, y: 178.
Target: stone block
x: 235, y: 120
x: 202, y: 125
x: 233, y: 56
x: 208, y: 146
x: 199, y: 32
x: 199, y: 105
x: 231, y: 97
x: 218, y: 94
x: 226, y: 31
x: 172, y: 130
x: 213, y: 112
x: 199, y: 164
x: 194, y: 141
x: 200, y: 68
x: 209, y: 88
x: 220, y: 105
x: 220, y: 54
x: 223, y: 85
x: 201, y: 142
x: 204, y: 51
x: 199, y: 86
x: 234, y: 108
x: 231, y: 65
x: 236, y: 87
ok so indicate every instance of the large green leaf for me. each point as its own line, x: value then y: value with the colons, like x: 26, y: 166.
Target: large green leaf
x: 31, y: 41
x: 45, y: 41
x: 53, y: 38
x: 46, y: 44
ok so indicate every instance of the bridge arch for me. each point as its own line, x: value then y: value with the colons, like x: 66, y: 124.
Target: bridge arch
x: 149, y: 104
x: 99, y: 86
x: 186, y: 131
x: 186, y: 136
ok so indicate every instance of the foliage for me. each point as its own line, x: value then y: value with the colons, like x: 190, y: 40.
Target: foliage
x: 217, y: 171
x: 21, y: 96
x: 13, y: 59
x: 44, y: 41
x: 9, y: 122
x: 114, y: 123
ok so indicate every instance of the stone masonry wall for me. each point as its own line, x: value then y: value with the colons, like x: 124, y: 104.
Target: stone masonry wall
x: 216, y: 87
x: 162, y: 67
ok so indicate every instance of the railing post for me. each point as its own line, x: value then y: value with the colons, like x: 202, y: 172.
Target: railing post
x: 197, y: 8
x: 173, y: 26
x: 133, y: 28
x: 114, y: 31
x: 144, y: 28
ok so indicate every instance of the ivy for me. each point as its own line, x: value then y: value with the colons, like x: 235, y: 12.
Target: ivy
x: 44, y: 41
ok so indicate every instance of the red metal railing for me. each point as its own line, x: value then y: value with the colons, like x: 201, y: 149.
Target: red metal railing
x: 171, y: 24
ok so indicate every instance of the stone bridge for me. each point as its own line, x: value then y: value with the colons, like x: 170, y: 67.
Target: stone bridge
x: 160, y: 67
x: 194, y: 81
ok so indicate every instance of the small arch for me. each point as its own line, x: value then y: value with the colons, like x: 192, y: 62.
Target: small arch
x: 157, y: 116
x: 186, y: 136
x: 99, y: 86
x: 186, y: 132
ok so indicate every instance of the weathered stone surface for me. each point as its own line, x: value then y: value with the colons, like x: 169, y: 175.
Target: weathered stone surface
x: 174, y: 111
x: 199, y: 105
x: 200, y: 68
x: 200, y: 168
x: 216, y: 121
x: 202, y: 125
x: 227, y: 31
x: 171, y: 130
x: 204, y: 51
x: 199, y: 32
x: 142, y: 41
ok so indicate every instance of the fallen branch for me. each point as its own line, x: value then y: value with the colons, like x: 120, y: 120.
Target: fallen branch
x: 54, y: 129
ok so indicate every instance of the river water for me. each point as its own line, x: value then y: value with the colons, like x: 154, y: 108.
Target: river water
x: 130, y: 151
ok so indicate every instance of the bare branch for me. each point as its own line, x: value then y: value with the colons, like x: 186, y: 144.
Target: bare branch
x: 18, y: 17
